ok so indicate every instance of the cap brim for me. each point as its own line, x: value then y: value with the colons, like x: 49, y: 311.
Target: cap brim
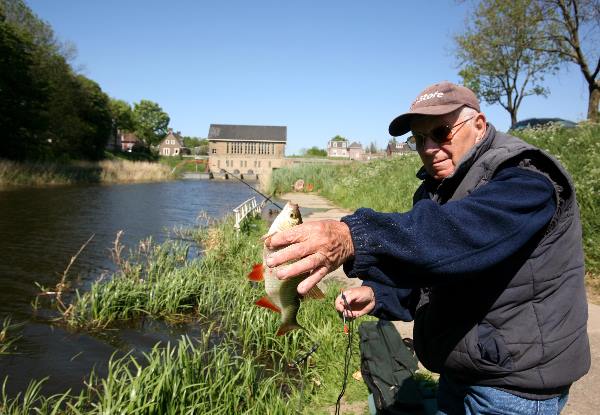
x: 401, y: 124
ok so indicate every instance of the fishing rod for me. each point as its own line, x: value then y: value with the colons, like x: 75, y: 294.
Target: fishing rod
x: 268, y: 198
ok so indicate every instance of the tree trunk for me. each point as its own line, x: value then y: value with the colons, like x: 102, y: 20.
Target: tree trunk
x: 513, y: 118
x: 593, y: 103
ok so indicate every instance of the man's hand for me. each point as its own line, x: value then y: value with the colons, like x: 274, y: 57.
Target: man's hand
x: 361, y: 301
x: 317, y: 247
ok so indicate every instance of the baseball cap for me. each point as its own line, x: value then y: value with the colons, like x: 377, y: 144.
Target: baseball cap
x: 437, y: 99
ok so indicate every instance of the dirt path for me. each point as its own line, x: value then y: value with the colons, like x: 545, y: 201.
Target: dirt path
x: 584, y: 398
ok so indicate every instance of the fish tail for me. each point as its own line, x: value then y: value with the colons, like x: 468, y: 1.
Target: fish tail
x: 257, y: 273
x: 286, y: 327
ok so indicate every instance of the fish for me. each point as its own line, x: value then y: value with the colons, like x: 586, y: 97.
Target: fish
x: 282, y: 295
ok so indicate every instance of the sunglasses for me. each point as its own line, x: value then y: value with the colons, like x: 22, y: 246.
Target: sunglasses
x: 439, y: 135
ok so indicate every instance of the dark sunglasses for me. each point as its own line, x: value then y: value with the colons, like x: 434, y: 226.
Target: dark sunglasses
x: 439, y: 135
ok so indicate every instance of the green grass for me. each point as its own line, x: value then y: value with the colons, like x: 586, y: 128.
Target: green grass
x: 388, y: 184
x: 238, y: 365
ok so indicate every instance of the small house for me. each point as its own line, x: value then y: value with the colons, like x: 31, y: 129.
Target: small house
x: 171, y: 145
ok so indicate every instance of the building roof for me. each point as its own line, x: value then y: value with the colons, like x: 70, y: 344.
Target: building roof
x: 247, y: 132
x: 355, y: 145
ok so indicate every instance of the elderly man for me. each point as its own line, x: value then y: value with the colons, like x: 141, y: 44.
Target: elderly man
x: 488, y: 262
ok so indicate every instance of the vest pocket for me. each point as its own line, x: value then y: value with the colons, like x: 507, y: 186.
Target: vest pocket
x: 492, y: 348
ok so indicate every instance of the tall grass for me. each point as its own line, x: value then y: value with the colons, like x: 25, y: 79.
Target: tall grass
x: 382, y: 184
x: 388, y: 185
x: 106, y: 171
x: 238, y: 365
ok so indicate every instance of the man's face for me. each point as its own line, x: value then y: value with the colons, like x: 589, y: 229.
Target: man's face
x: 441, y: 159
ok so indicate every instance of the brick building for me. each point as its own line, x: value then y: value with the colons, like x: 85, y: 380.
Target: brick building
x: 246, y: 149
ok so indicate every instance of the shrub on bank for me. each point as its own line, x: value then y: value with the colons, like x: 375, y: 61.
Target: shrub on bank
x: 388, y: 184
x: 106, y: 171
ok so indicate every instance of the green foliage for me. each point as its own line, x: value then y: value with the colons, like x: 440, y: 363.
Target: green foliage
x: 578, y: 150
x: 338, y: 138
x: 151, y: 121
x: 122, y: 115
x: 23, y: 96
x: 48, y: 111
x: 501, y: 53
x: 383, y: 184
x: 315, y: 152
x: 236, y: 365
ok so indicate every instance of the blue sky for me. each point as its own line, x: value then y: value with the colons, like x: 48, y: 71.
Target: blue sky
x: 321, y: 68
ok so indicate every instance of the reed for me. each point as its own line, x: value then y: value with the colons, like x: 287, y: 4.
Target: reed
x: 106, y: 171
x: 237, y: 365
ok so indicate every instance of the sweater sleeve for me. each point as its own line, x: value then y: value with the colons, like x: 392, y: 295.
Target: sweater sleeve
x: 433, y: 243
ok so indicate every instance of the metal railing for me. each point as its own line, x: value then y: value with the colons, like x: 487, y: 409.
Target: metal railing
x: 249, y: 207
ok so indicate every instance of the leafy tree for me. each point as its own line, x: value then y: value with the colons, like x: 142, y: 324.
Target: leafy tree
x: 571, y: 32
x: 372, y: 148
x: 121, y: 114
x: 316, y: 152
x: 151, y: 121
x: 200, y: 144
x: 501, y: 53
x: 22, y: 96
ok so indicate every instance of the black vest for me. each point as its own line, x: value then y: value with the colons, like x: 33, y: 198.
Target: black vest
x: 521, y: 326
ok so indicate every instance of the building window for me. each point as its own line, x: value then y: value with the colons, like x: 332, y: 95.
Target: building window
x: 214, y: 151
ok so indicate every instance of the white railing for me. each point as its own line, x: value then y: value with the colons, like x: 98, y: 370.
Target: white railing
x: 249, y: 207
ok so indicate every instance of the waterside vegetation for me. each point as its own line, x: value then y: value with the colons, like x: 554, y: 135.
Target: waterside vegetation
x: 236, y: 365
x: 13, y: 173
x: 388, y: 184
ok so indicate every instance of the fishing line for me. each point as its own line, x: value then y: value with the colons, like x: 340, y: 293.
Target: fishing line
x: 348, y: 329
x: 268, y: 199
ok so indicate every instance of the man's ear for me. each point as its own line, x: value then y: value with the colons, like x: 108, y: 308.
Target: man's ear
x: 480, y: 125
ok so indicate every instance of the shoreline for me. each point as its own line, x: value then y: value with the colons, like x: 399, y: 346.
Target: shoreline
x: 27, y: 174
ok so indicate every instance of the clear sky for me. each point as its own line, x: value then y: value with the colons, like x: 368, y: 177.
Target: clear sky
x: 320, y: 67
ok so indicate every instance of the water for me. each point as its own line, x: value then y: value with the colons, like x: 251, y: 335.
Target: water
x: 41, y: 229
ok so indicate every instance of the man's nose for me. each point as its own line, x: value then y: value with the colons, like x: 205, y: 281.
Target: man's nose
x: 430, y: 146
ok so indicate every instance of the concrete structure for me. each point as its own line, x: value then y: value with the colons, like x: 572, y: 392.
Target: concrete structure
x: 251, y: 150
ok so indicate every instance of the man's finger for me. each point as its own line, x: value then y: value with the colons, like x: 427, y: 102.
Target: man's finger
x: 312, y: 280
x: 284, y: 238
x: 303, y: 266
x: 290, y: 253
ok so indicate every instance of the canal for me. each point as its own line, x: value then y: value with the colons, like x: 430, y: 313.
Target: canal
x: 41, y: 229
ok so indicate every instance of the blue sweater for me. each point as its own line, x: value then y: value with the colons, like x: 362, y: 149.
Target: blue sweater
x: 396, y: 253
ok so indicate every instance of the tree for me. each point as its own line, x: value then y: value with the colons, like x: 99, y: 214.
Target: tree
x: 571, y: 32
x: 315, y: 151
x: 338, y: 138
x: 502, y: 55
x: 372, y: 148
x: 151, y: 121
x: 121, y: 114
x: 23, y: 96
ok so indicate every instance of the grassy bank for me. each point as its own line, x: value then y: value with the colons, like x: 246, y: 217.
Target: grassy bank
x: 106, y: 171
x: 236, y: 366
x: 388, y: 185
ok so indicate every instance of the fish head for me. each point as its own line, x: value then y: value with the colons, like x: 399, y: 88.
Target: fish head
x: 288, y: 218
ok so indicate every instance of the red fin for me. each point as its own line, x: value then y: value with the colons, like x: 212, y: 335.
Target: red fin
x: 315, y: 293
x: 266, y: 303
x: 284, y: 328
x: 257, y: 273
